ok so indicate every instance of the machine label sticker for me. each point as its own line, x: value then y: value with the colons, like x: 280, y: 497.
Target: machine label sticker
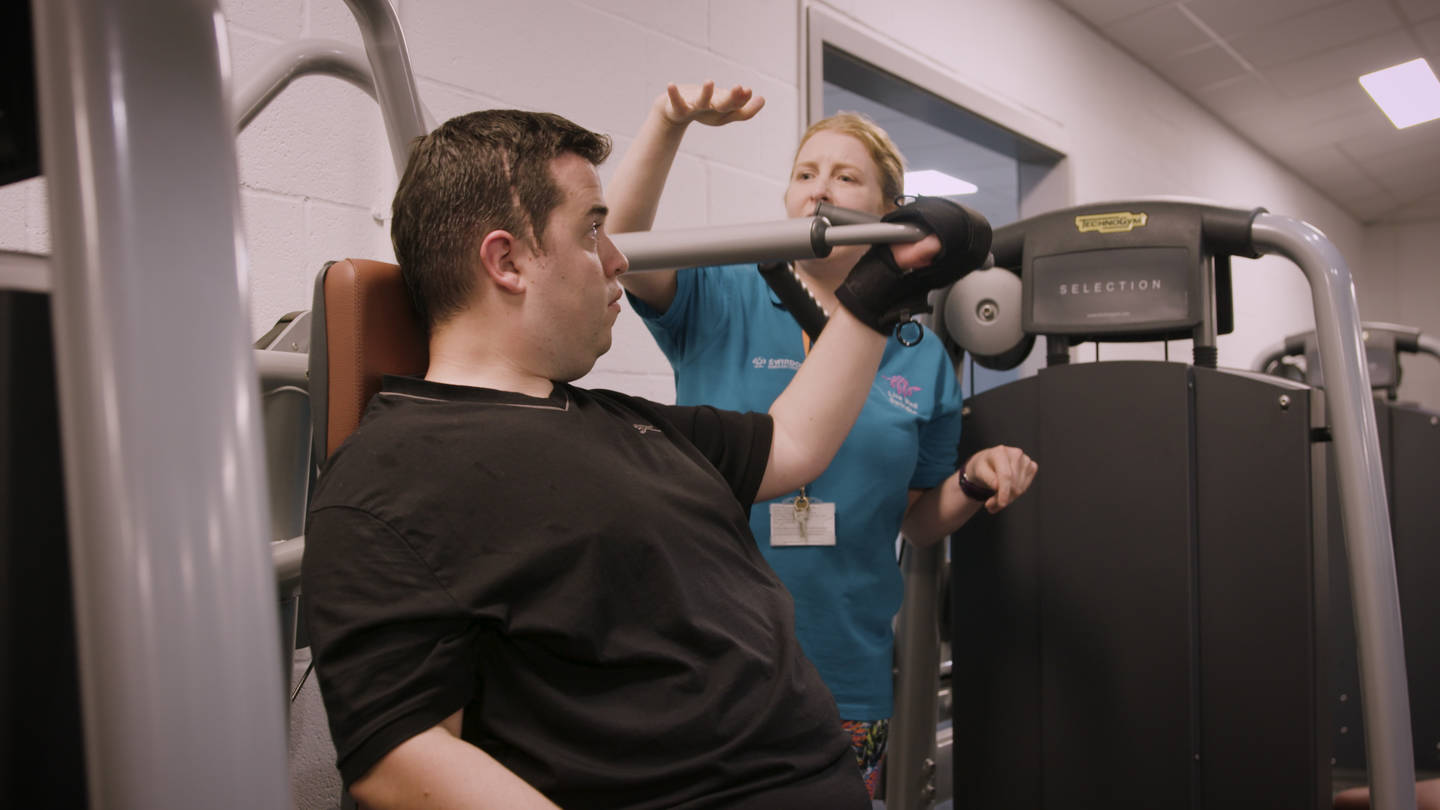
x: 1118, y: 222
x: 1102, y: 287
x: 1117, y: 291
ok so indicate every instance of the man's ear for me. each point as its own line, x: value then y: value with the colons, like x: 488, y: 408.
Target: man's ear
x: 501, y: 253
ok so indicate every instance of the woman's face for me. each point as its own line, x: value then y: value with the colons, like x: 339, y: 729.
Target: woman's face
x: 835, y: 168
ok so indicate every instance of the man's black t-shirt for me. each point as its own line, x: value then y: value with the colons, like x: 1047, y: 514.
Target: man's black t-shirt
x: 577, y: 573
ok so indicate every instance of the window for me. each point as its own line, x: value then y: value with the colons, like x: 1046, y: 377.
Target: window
x: 940, y: 125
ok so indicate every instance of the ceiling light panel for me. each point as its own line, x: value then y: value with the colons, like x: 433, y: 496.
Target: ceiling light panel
x: 1408, y: 93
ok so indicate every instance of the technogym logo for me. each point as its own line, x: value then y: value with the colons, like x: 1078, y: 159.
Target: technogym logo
x: 1117, y: 222
x: 1103, y: 287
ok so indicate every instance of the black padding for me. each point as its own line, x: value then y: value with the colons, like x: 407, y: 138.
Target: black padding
x: 882, y: 295
x: 873, y: 290
x: 964, y: 234
x: 42, y: 751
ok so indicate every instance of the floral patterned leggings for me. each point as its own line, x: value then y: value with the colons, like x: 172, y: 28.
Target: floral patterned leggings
x: 868, y: 741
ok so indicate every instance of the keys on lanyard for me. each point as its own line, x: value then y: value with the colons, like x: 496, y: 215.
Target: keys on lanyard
x: 802, y: 514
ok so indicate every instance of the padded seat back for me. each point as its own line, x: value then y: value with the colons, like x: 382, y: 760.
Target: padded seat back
x: 363, y: 327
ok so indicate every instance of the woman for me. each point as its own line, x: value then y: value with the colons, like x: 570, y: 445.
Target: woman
x: 732, y: 345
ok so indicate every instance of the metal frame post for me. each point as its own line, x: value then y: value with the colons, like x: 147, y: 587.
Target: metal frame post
x: 910, y: 760
x: 175, y: 592
x: 394, y: 81
x: 1429, y: 345
x: 1380, y: 643
x: 301, y: 58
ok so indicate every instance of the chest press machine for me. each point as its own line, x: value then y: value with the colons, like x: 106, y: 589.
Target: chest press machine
x: 1409, y: 436
x: 1148, y: 627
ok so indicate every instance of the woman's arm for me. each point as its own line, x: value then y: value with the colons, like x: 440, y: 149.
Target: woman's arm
x: 935, y: 513
x: 635, y: 189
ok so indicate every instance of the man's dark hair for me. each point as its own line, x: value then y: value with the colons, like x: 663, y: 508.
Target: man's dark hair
x: 476, y: 173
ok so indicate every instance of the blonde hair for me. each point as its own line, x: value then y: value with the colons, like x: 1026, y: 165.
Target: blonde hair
x: 882, y: 150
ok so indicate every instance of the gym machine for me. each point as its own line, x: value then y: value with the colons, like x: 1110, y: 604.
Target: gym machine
x: 168, y: 665
x: 1149, y: 626
x: 1410, y: 452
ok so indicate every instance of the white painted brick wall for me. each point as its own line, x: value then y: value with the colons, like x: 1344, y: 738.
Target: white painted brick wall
x: 1408, y: 251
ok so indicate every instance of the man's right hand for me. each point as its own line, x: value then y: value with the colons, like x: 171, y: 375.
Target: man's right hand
x: 882, y: 293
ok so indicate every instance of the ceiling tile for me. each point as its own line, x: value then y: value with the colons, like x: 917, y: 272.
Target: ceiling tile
x: 1407, y: 173
x: 1200, y: 68
x: 1314, y: 32
x: 1424, y: 209
x: 1158, y: 34
x: 1280, y: 133
x: 1103, y: 12
x: 1419, y: 10
x: 1330, y: 104
x: 1312, y: 74
x: 1302, y: 104
x: 1429, y: 36
x: 1407, y: 185
x: 1421, y: 142
x: 1242, y: 97
x: 1231, y: 17
x: 1372, y: 207
x: 1331, y: 171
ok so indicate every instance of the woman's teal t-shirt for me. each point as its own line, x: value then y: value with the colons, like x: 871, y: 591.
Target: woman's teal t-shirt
x: 732, y: 345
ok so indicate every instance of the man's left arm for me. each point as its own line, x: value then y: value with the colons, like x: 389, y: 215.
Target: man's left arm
x: 887, y: 286
x: 815, y: 412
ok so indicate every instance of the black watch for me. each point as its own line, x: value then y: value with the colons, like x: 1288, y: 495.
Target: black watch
x: 974, y: 491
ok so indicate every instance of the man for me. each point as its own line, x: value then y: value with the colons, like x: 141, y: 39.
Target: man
x: 525, y: 594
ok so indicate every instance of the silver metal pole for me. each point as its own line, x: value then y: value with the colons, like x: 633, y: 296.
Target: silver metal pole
x: 1430, y: 346
x: 286, y: 556
x: 1205, y: 333
x: 394, y: 82
x: 780, y: 240
x: 282, y: 368
x: 1363, y: 505
x: 724, y: 244
x: 175, y: 591
x: 296, y: 59
x: 879, y: 233
x: 910, y: 759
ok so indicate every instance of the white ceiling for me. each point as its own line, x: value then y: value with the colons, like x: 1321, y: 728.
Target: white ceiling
x: 1283, y: 74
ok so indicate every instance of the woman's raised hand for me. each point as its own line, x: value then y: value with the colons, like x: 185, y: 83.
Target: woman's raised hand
x: 684, y: 103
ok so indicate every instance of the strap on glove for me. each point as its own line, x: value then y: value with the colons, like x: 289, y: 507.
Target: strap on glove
x: 885, y: 297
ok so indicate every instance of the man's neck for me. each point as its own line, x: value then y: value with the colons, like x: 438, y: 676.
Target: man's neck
x: 537, y: 387
x: 459, y: 365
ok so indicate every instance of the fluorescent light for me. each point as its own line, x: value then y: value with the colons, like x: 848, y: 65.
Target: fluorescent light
x: 1408, y: 93
x: 936, y: 184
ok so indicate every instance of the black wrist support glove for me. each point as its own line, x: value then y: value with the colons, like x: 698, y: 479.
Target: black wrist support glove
x: 883, y: 296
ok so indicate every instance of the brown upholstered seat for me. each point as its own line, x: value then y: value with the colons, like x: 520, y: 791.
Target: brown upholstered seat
x: 363, y: 325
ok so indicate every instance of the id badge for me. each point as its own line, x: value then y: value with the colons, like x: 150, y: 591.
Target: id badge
x: 802, y: 522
